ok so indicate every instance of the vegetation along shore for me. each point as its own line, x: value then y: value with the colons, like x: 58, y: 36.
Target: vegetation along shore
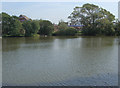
x: 90, y: 20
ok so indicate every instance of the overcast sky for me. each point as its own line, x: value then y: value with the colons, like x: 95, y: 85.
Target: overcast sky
x: 53, y: 11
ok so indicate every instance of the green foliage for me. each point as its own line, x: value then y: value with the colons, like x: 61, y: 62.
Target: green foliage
x: 10, y: 25
x: 36, y: 35
x: 117, y: 29
x: 46, y: 27
x: 62, y: 25
x: 28, y: 28
x: 31, y: 27
x: 15, y: 27
x: 5, y: 23
x: 96, y: 20
x: 71, y: 31
x: 15, y: 17
x: 59, y: 33
x: 68, y: 32
x: 35, y: 26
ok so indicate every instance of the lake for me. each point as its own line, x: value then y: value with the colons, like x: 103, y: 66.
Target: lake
x: 60, y: 61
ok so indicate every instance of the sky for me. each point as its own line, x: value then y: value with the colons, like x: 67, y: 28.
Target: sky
x: 53, y: 11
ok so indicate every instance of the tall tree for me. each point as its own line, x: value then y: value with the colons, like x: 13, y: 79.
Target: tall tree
x: 15, y: 27
x: 31, y: 27
x: 35, y: 26
x: 46, y: 27
x: 5, y: 23
x: 62, y: 25
x: 10, y: 25
x: 92, y: 17
x: 117, y: 28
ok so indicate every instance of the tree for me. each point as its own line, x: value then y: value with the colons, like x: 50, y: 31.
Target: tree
x: 31, y: 27
x: 92, y: 18
x: 62, y: 25
x: 5, y: 23
x: 35, y: 26
x: 46, y: 27
x: 117, y: 28
x: 15, y: 17
x: 10, y: 25
x: 15, y: 27
x: 68, y: 32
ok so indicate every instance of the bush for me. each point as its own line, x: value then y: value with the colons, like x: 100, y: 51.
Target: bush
x: 46, y: 27
x: 36, y: 35
x: 68, y: 32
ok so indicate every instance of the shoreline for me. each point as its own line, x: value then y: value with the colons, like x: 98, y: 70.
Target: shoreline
x: 65, y: 36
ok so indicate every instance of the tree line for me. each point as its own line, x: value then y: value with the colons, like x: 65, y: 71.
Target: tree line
x: 11, y: 26
x: 94, y: 20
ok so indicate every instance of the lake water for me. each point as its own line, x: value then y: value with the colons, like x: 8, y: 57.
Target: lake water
x: 60, y: 61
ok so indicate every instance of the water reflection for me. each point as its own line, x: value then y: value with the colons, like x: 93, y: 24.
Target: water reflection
x: 0, y: 62
x: 34, y: 61
x: 11, y: 44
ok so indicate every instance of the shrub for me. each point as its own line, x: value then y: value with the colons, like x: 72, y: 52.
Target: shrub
x: 68, y: 32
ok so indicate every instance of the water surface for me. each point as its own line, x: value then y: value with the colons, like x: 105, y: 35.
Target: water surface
x: 57, y: 61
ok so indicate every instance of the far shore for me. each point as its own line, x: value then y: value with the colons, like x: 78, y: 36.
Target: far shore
x: 64, y: 36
